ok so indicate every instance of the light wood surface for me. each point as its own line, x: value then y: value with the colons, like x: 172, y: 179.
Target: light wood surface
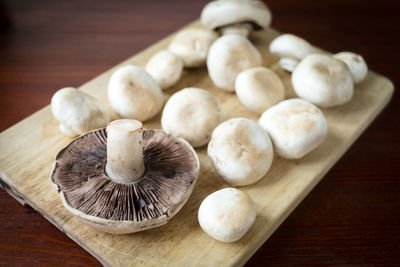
x: 28, y: 148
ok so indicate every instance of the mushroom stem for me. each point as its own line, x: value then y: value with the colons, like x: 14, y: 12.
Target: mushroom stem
x: 239, y: 28
x: 125, y: 151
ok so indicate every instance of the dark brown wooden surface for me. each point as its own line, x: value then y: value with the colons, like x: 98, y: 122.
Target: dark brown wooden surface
x: 351, y: 218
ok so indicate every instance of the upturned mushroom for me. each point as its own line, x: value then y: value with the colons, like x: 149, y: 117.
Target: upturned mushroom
x: 192, y: 114
x: 357, y: 65
x: 241, y: 151
x: 236, y: 16
x: 323, y: 81
x: 259, y: 88
x: 124, y: 179
x: 295, y: 126
x: 134, y: 94
x: 77, y: 112
x: 230, y: 55
x: 227, y: 214
x: 192, y: 46
x: 165, y: 67
x: 291, y: 49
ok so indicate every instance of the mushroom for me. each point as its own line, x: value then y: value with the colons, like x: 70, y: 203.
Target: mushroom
x: 259, y: 88
x: 236, y: 16
x: 77, y: 112
x: 323, y: 80
x: 295, y: 126
x: 124, y: 179
x: 134, y: 94
x: 192, y: 46
x: 229, y: 55
x: 291, y: 49
x: 357, y: 65
x: 165, y: 67
x: 192, y: 114
x: 241, y: 151
x: 227, y: 214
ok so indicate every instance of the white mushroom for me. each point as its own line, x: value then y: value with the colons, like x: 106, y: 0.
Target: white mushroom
x: 290, y: 46
x: 192, y: 46
x: 357, y: 65
x: 192, y: 114
x: 295, y: 126
x: 241, y: 151
x: 77, y: 112
x: 165, y: 67
x: 323, y: 80
x: 259, y: 88
x: 227, y: 214
x: 288, y: 64
x: 134, y: 94
x: 229, y: 55
x: 236, y: 16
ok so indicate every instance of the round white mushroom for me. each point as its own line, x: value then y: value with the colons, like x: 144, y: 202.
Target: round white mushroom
x: 241, y: 151
x: 134, y: 94
x: 295, y: 126
x: 291, y: 46
x: 77, y: 112
x: 259, y: 88
x: 192, y: 114
x: 192, y: 46
x: 323, y: 80
x: 229, y: 55
x: 227, y: 214
x: 357, y: 65
x: 236, y: 16
x: 165, y: 67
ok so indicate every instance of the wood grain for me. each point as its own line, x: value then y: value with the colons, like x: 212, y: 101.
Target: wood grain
x: 316, y: 246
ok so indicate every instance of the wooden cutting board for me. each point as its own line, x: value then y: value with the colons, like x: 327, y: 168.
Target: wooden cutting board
x: 27, y: 150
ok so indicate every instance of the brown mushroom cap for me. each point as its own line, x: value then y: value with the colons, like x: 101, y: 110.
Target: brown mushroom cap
x: 79, y: 173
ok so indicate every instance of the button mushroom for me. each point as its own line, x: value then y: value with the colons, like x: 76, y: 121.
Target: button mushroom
x: 227, y: 214
x: 192, y: 46
x: 77, y: 112
x: 259, y: 88
x: 323, y: 80
x: 165, y: 67
x: 192, y: 114
x: 236, y: 16
x: 291, y: 49
x: 241, y: 151
x: 358, y: 67
x: 295, y: 126
x: 229, y: 55
x: 134, y: 94
x: 125, y: 179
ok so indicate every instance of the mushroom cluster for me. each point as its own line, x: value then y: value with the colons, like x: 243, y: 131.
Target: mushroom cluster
x: 124, y: 179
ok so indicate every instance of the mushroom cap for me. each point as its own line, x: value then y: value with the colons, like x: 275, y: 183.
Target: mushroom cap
x: 291, y: 46
x: 230, y: 55
x: 241, y: 151
x: 227, y: 214
x: 172, y: 169
x: 192, y: 114
x: 221, y: 13
x: 134, y: 94
x: 357, y: 65
x: 192, y: 46
x: 323, y: 81
x: 295, y: 126
x: 165, y: 67
x: 77, y: 112
x: 259, y: 88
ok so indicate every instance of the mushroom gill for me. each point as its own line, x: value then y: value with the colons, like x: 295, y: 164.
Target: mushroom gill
x: 79, y: 172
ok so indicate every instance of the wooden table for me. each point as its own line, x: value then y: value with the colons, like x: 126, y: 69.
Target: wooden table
x: 350, y: 218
